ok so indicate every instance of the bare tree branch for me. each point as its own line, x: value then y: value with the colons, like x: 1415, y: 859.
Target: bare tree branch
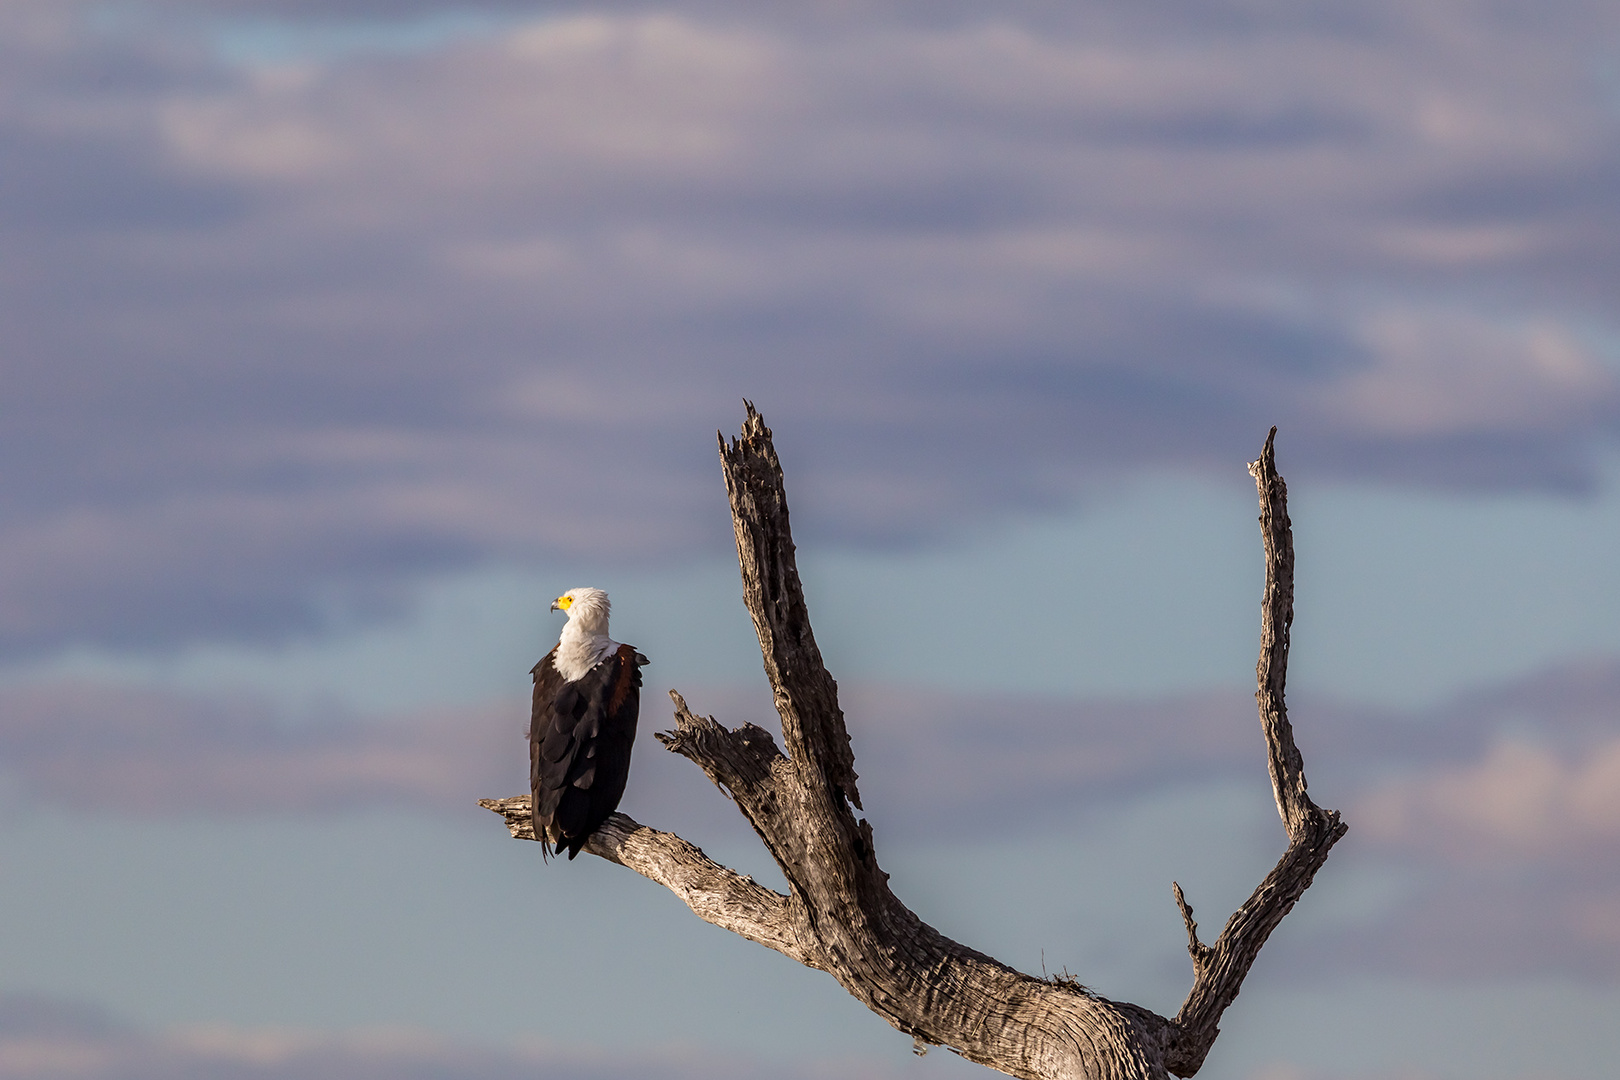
x: 806, y: 696
x: 839, y: 914
x: 1218, y: 970
x: 715, y: 894
x: 1195, y: 948
x: 1276, y: 622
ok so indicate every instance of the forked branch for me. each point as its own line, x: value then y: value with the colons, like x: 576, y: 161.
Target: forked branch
x: 839, y: 915
x: 1218, y: 970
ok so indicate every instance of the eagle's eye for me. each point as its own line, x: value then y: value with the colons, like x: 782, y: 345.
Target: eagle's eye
x: 565, y: 602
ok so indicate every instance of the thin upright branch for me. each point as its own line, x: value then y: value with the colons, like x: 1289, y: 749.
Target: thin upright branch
x: 1219, y: 969
x: 1286, y: 765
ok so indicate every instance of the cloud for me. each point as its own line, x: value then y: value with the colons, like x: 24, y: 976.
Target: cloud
x: 1518, y: 770
x: 284, y: 336
x: 46, y: 1039
x: 1286, y: 1070
x: 932, y: 757
x: 133, y: 750
x: 1501, y: 921
x: 1495, y: 813
x: 1538, y: 782
x: 1437, y: 374
x: 1520, y: 797
x: 977, y: 761
x: 976, y: 765
x: 1506, y: 832
x: 1484, y: 834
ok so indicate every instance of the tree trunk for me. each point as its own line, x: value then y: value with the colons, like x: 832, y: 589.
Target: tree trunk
x: 839, y: 915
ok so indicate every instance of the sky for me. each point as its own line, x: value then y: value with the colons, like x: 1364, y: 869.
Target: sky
x: 337, y: 338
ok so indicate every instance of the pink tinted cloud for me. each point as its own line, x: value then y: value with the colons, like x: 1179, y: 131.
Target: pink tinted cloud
x: 1502, y: 820
x: 1526, y: 772
x: 1520, y: 800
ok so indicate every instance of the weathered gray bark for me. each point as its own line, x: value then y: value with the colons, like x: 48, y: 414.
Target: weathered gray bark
x: 839, y: 915
x: 1218, y: 969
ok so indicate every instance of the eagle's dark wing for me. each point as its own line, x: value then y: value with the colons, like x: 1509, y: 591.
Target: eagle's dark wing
x: 580, y: 737
x: 548, y: 681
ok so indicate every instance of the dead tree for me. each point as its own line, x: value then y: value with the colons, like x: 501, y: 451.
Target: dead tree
x: 839, y: 914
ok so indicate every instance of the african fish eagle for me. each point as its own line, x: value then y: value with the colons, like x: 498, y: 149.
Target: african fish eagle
x: 587, y: 692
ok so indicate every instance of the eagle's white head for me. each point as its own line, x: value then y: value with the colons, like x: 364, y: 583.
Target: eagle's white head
x: 588, y: 608
x: 584, y: 642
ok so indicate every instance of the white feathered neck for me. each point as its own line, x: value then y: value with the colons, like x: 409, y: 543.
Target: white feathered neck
x: 584, y: 642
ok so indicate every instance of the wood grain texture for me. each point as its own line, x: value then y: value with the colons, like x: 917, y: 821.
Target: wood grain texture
x: 714, y: 893
x: 806, y: 696
x: 839, y: 915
